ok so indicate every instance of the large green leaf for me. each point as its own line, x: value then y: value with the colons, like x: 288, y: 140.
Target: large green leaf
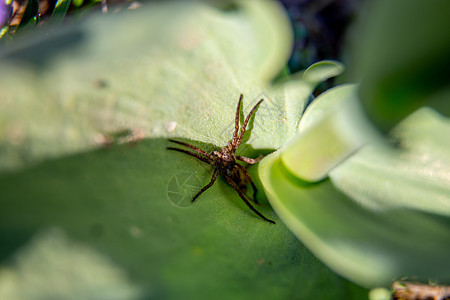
x: 180, y: 79
x: 383, y: 213
x: 401, y: 62
x: 117, y: 204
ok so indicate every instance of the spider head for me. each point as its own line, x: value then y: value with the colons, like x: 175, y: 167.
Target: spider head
x: 225, y: 156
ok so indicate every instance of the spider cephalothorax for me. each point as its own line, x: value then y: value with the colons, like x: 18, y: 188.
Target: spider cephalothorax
x: 225, y: 162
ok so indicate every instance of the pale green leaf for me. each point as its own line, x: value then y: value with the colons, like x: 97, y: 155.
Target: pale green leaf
x: 85, y: 115
x: 383, y: 213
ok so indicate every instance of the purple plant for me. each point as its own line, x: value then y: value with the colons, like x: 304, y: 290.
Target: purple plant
x: 5, y: 12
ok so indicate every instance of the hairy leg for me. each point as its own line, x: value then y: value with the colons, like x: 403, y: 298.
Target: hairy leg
x: 255, y: 190
x: 236, y: 122
x: 248, y: 160
x: 236, y: 188
x: 238, y: 142
x: 196, y: 149
x: 196, y: 155
x: 213, y: 179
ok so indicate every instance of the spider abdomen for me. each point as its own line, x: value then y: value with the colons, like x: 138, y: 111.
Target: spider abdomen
x: 238, y: 177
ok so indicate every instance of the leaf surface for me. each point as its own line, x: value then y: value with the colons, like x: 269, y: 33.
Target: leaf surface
x: 382, y: 213
x: 85, y: 115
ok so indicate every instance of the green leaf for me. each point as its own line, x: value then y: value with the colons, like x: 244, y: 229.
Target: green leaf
x: 78, y: 3
x: 84, y: 127
x: 321, y: 71
x: 59, y: 11
x: 98, y: 89
x: 383, y: 213
x: 403, y: 64
x: 29, y: 14
x: 335, y: 130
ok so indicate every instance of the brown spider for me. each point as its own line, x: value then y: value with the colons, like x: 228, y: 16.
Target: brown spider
x: 225, y: 163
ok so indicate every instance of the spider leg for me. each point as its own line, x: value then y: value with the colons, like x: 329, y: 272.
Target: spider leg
x: 236, y: 188
x: 198, y: 150
x: 236, y: 122
x: 213, y: 179
x: 255, y: 190
x: 196, y: 155
x: 238, y: 142
x: 248, y: 160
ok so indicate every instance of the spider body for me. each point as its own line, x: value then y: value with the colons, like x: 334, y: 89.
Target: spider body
x: 225, y: 162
